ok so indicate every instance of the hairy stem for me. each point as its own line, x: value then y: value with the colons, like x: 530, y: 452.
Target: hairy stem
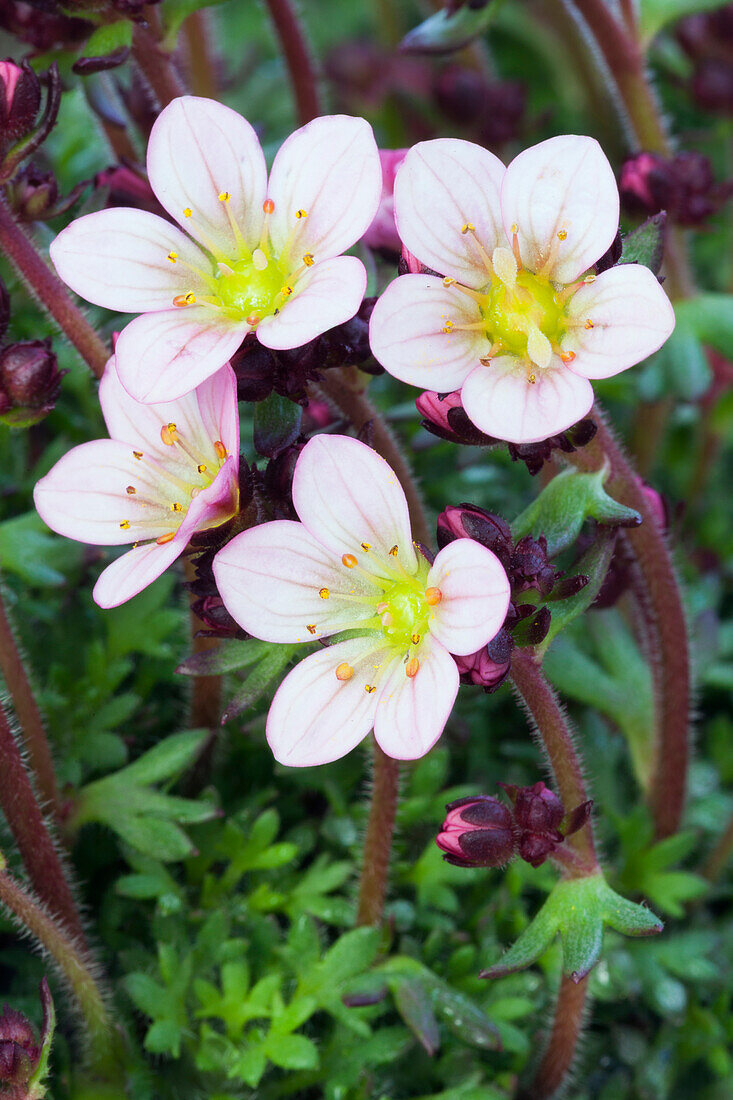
x: 50, y: 292
x: 76, y: 968
x: 154, y: 61
x: 298, y: 58
x: 28, y: 713
x: 554, y: 733
x: 353, y: 403
x: 557, y: 1061
x: 666, y: 624
x: 378, y: 840
x: 31, y: 834
x: 201, y: 65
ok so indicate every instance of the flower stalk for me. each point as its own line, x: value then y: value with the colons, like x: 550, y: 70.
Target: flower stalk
x: 557, y: 1061
x: 154, y: 61
x: 378, y: 840
x: 50, y: 292
x: 298, y: 58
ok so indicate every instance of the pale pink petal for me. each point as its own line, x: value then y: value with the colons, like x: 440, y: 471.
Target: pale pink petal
x: 328, y: 294
x: 162, y: 356
x: 501, y: 401
x: 203, y: 416
x: 315, y: 717
x: 563, y: 198
x: 119, y: 259
x: 407, y: 336
x: 83, y: 496
x: 200, y: 149
x: 382, y: 233
x: 631, y: 317
x: 270, y: 579
x: 214, y: 505
x: 330, y: 169
x: 412, y: 711
x: 133, y: 571
x: 475, y: 596
x: 346, y: 495
x: 444, y: 185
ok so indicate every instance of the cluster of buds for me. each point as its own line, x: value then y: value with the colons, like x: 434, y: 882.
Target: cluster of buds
x: 34, y: 195
x: 22, y: 1061
x: 261, y: 370
x: 22, y: 131
x: 682, y: 185
x: 482, y: 831
x: 443, y: 415
x: 528, y: 568
x: 707, y: 39
x: 43, y: 27
x: 29, y: 376
x: 488, y: 111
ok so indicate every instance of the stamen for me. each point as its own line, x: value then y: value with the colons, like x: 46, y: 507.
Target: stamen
x: 532, y: 378
x: 137, y: 454
x: 369, y: 688
x: 125, y: 524
x: 468, y: 228
x: 131, y: 490
x: 187, y: 213
x: 344, y: 671
x: 433, y: 596
x: 415, y: 638
x: 286, y: 291
x: 308, y: 259
x: 221, y: 451
x: 567, y: 356
x: 268, y: 206
x: 301, y: 214
x: 163, y: 539
x: 474, y: 294
x: 589, y: 324
x: 412, y: 668
x: 562, y: 235
x: 515, y: 245
x: 366, y: 547
x: 172, y: 256
x: 224, y: 196
x: 184, y: 299
x: 311, y: 628
x: 348, y: 560
x: 324, y: 593
x: 448, y: 326
x: 393, y: 551
x: 202, y: 467
x: 495, y: 348
x: 253, y: 320
x: 176, y: 507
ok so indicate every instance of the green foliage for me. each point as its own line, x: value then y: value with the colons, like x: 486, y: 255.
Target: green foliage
x: 447, y: 31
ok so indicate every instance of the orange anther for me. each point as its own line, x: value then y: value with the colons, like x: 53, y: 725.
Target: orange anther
x: 433, y: 596
x: 268, y: 206
x: 348, y: 560
x: 163, y: 539
x: 412, y: 667
x: 344, y: 671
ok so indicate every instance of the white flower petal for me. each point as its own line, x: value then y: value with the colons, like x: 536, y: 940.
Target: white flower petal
x: 270, y: 579
x: 315, y: 717
x: 200, y: 149
x: 443, y: 185
x: 162, y: 356
x: 562, y: 196
x: 407, y: 336
x: 501, y: 401
x: 412, y: 711
x: 325, y: 296
x: 346, y: 495
x: 475, y: 591
x: 119, y: 259
x: 631, y: 317
x: 331, y: 170
x: 135, y: 570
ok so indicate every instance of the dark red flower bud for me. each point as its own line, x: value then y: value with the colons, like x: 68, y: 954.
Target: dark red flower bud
x: 479, y: 669
x: 492, y: 110
x: 34, y: 194
x: 217, y: 621
x: 20, y: 1049
x: 540, y: 820
x: 128, y: 185
x: 712, y: 86
x: 477, y: 832
x: 683, y: 186
x: 43, y: 30
x: 444, y: 416
x: 255, y: 366
x: 29, y: 381
x: 463, y: 521
x: 20, y: 100
x: 537, y: 809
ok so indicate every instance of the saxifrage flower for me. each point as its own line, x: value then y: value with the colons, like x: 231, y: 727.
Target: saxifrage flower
x: 519, y: 322
x: 250, y: 255
x: 351, y: 566
x: 166, y: 471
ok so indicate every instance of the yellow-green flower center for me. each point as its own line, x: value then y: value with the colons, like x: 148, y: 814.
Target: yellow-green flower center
x: 404, y: 612
x: 511, y: 314
x: 247, y: 289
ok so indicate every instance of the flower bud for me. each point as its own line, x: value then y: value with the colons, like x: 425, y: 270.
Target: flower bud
x: 541, y: 821
x: 29, y: 382
x: 254, y: 366
x: 43, y: 30
x: 468, y: 521
x: 683, y: 186
x: 217, y: 621
x: 127, y: 185
x: 382, y: 233
x: 21, y: 1051
x: 479, y: 669
x: 34, y: 194
x: 492, y: 110
x: 477, y: 832
x: 20, y: 99
x: 444, y: 416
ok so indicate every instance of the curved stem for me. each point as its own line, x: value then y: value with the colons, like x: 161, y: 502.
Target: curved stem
x: 666, y: 621
x: 354, y: 404
x: 154, y: 62
x: 554, y: 733
x: 201, y: 64
x: 559, y: 1055
x: 378, y: 840
x: 28, y: 713
x: 297, y: 57
x: 30, y: 832
x: 50, y: 292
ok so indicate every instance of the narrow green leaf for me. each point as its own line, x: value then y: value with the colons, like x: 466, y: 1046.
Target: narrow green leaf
x: 645, y: 244
x: 446, y: 31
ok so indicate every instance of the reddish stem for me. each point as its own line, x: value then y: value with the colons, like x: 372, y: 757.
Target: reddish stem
x: 50, y: 292
x: 154, y: 61
x: 31, y: 834
x: 559, y: 1055
x: 378, y: 841
x: 298, y: 58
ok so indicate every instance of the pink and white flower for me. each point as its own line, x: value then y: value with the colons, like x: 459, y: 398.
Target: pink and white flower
x: 248, y: 254
x: 382, y: 233
x: 351, y: 566
x: 519, y: 324
x: 166, y: 472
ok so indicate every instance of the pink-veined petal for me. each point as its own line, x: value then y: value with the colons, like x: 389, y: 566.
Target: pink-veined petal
x: 198, y: 150
x: 442, y: 186
x: 330, y: 169
x: 203, y: 416
x: 407, y: 336
x: 315, y: 717
x: 215, y: 504
x: 500, y: 400
x: 631, y: 317
x: 133, y: 571
x: 270, y: 579
x: 346, y: 495
x: 563, y: 198
x: 412, y: 711
x: 161, y: 357
x: 84, y: 496
x: 119, y: 259
x: 328, y: 294
x: 475, y: 596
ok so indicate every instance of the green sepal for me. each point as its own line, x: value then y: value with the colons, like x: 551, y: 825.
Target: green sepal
x: 227, y: 657
x: 36, y: 1087
x: 108, y: 39
x: 577, y: 910
x: 645, y: 245
x: 447, y: 31
x: 276, y: 424
x: 593, y: 565
x: 564, y: 505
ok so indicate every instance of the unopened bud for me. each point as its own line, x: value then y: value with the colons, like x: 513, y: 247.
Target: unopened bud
x: 477, y: 832
x: 444, y: 416
x: 541, y: 821
x: 468, y: 521
x: 479, y: 669
x: 33, y: 194
x: 29, y: 382
x: 20, y: 99
x: 382, y: 233
x: 21, y: 1051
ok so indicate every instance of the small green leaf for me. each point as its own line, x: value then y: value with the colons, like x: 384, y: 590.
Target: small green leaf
x: 645, y: 244
x: 447, y: 31
x: 109, y: 38
x: 413, y: 1004
x: 593, y: 565
x: 655, y: 14
x: 291, y: 1051
x: 165, y: 761
x: 227, y: 657
x: 276, y: 424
